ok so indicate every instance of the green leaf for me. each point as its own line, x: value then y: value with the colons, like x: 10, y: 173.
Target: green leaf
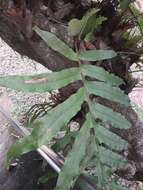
x: 100, y: 74
x: 107, y: 91
x: 101, y: 174
x: 86, y: 25
x: 111, y: 158
x: 74, y: 27
x: 110, y: 139
x: 124, y: 4
x: 56, y: 44
x: 107, y: 115
x: 21, y: 147
x: 48, y: 126
x: 96, y: 55
x: 58, y: 117
x: 41, y: 82
x: 63, y: 142
x: 90, y: 22
x: 89, y: 37
x: 71, y: 168
x: 59, y: 46
x: 47, y: 177
x: 91, y: 147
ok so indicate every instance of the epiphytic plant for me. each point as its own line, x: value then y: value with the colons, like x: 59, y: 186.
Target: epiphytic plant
x: 94, y: 143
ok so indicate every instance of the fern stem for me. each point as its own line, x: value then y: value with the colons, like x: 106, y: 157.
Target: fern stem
x: 101, y: 182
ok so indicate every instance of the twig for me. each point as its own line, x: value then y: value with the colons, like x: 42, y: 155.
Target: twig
x: 140, y: 70
x: 128, y: 53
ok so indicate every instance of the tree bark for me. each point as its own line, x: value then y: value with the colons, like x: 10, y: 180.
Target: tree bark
x: 16, y: 31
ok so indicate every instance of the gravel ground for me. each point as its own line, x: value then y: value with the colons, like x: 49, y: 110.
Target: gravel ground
x: 11, y: 63
x: 136, y: 96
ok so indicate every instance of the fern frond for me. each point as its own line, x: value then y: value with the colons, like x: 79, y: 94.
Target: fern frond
x: 108, y: 92
x: 92, y: 140
x: 71, y: 169
x: 86, y: 25
x: 48, y: 126
x: 111, y: 158
x: 110, y: 139
x: 100, y: 74
x: 96, y: 55
x: 57, y: 44
x: 41, y: 82
x: 108, y: 116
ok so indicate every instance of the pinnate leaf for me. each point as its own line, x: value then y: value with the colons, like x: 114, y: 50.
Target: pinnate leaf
x: 107, y: 115
x: 71, y: 168
x: 46, y: 128
x: 56, y: 44
x: 110, y: 139
x: 97, y: 55
x: 41, y: 82
x: 100, y: 74
x: 108, y: 92
x: 111, y: 158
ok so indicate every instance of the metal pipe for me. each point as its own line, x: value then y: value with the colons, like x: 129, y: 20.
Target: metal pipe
x: 49, y: 160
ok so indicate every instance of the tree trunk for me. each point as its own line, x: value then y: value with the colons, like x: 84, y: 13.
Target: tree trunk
x: 17, y: 17
x: 16, y: 30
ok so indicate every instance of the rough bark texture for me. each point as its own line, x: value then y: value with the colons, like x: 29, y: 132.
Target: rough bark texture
x: 16, y: 30
x: 16, y: 21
